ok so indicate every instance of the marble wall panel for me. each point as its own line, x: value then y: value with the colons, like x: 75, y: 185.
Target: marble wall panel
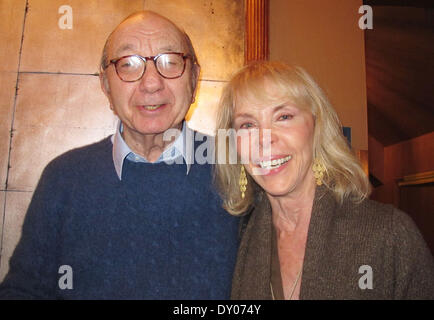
x: 2, y: 211
x: 72, y: 111
x: 49, y: 48
x: 7, y: 93
x: 16, y: 208
x: 11, y: 27
x: 216, y: 29
x: 201, y: 116
x: 67, y: 101
x: 34, y: 147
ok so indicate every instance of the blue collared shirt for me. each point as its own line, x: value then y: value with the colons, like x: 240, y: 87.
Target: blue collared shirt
x: 174, y: 153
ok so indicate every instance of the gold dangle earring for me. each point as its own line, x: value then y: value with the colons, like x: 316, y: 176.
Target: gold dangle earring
x: 318, y: 171
x: 243, y: 181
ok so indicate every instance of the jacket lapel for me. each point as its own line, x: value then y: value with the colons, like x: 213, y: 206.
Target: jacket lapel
x: 252, y: 271
x: 314, y: 277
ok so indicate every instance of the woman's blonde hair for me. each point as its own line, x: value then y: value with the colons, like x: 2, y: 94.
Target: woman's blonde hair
x: 343, y: 175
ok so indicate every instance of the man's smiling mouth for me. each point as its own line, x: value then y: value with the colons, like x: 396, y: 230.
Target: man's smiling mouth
x: 152, y: 107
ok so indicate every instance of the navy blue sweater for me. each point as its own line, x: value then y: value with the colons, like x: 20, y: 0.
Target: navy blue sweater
x: 156, y: 234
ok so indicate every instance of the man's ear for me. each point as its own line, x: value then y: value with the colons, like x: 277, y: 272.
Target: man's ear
x: 105, y: 87
x: 103, y: 82
x: 195, y: 80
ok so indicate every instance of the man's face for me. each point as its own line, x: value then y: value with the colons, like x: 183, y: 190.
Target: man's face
x: 152, y: 104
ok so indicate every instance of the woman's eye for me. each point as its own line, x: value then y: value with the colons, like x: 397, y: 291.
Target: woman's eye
x: 247, y: 125
x: 286, y: 117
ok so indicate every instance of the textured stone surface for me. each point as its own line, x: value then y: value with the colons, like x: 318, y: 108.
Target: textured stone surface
x: 47, y: 47
x: 11, y: 28
x: 7, y: 93
x: 201, y: 115
x: 16, y: 207
x: 216, y: 29
x: 71, y: 112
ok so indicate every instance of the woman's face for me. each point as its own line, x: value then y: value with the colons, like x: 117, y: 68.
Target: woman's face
x: 283, y: 135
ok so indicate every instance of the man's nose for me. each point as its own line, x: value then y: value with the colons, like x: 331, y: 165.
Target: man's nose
x: 151, y: 81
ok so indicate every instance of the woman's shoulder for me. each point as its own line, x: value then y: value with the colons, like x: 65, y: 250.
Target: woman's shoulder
x: 386, y: 238
x: 377, y: 211
x: 412, y: 259
x: 368, y: 207
x: 392, y: 222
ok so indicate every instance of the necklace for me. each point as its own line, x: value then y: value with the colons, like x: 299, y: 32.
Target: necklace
x: 293, y: 286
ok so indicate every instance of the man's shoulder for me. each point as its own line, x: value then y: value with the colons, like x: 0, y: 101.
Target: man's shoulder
x: 83, y: 157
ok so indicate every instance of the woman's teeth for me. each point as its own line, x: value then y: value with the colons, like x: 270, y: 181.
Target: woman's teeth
x: 273, y: 164
x: 153, y: 107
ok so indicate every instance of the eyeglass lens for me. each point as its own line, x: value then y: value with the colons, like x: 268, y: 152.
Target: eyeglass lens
x: 168, y: 65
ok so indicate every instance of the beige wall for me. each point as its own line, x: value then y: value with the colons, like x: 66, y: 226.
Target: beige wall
x: 323, y: 37
x: 59, y: 104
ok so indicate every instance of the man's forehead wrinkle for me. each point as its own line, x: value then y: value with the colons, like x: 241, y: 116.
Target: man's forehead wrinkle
x: 135, y: 36
x: 151, y: 26
x: 126, y: 47
x: 137, y: 44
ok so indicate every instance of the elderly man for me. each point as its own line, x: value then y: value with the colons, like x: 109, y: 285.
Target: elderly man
x: 115, y: 220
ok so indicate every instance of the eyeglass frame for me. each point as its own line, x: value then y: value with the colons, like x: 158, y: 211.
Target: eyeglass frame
x: 145, y: 60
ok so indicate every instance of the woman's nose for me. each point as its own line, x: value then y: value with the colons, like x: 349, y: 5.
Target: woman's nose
x: 267, y: 137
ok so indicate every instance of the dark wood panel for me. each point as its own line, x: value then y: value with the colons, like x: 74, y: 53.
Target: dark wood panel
x: 418, y: 202
x: 401, y: 3
x: 400, y: 74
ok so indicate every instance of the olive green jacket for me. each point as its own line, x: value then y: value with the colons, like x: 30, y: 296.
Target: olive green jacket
x: 341, y: 240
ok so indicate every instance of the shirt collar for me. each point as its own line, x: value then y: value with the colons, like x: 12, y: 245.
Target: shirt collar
x: 172, y: 154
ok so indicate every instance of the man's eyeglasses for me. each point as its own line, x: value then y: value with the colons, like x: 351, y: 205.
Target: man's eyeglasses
x: 170, y: 65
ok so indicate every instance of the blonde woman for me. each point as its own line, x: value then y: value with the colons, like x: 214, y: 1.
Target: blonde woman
x: 311, y: 232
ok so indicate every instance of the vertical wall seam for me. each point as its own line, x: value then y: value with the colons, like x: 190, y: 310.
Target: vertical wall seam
x: 12, y: 128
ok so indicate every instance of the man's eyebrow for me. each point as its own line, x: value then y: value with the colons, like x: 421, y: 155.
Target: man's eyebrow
x: 125, y: 48
x: 129, y: 46
x: 169, y: 48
